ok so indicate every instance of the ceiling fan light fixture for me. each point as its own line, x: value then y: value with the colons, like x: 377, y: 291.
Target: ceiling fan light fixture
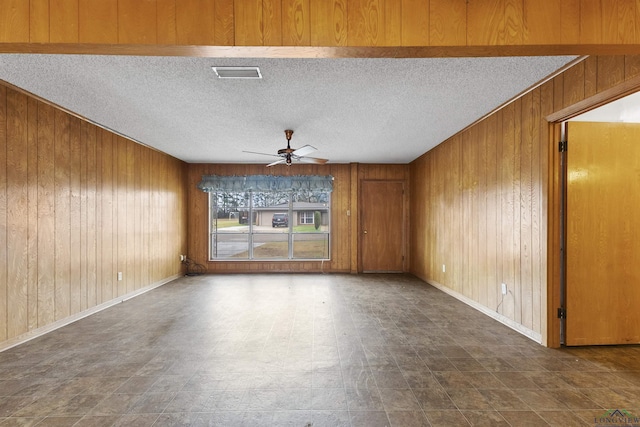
x: 237, y: 72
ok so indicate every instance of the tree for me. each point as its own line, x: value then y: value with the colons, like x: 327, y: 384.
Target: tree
x: 317, y: 218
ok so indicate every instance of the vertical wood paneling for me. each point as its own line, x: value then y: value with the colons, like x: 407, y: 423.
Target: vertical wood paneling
x: 166, y: 22
x: 610, y: 72
x: 38, y: 21
x: 83, y: 227
x: 272, y: 22
x: 529, y: 130
x: 493, y: 224
x: 448, y: 22
x: 631, y: 66
x: 46, y: 213
x: 591, y: 21
x: 137, y: 21
x: 99, y: 216
x: 538, y: 186
x: 415, y: 22
x: 196, y: 29
x: 542, y: 24
x: 574, y: 87
x: 570, y: 18
x: 485, y: 22
x: 619, y: 21
x: 14, y: 21
x: 107, y: 223
x: 249, y: 23
x: 513, y: 22
x: 3, y: 213
x: 480, y: 282
x: 590, y: 81
x: 392, y: 23
x: 32, y: 214
x: 548, y: 192
x: 507, y: 163
x: 120, y: 216
x: 329, y: 23
x: 95, y: 21
x: 365, y: 21
x: 296, y: 23
x: 59, y: 242
x: 17, y: 206
x: 63, y: 21
x: 62, y: 225
x: 130, y: 233
x: 224, y: 23
x: 75, y: 255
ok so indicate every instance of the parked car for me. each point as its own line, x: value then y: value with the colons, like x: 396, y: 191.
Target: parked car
x: 280, y: 220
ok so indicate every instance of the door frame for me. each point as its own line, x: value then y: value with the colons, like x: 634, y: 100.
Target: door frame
x: 555, y: 268
x: 404, y: 220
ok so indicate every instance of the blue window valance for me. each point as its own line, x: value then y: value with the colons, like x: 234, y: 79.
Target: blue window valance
x: 215, y: 183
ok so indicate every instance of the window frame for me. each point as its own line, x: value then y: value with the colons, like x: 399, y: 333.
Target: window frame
x: 254, y: 212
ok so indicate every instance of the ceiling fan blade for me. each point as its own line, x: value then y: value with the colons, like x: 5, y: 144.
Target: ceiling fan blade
x: 313, y: 160
x: 262, y: 154
x: 303, y: 151
x: 278, y: 162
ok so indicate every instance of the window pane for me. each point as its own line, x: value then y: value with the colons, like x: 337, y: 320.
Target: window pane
x: 311, y: 211
x: 230, y: 245
x: 311, y: 246
x: 271, y: 209
x: 231, y: 213
x: 271, y: 245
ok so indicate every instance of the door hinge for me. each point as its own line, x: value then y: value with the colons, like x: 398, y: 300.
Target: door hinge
x: 562, y: 313
x: 562, y: 146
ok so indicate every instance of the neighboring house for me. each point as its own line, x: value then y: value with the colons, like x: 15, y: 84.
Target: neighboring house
x: 302, y: 213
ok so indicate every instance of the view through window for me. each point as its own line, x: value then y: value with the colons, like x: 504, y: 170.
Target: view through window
x: 269, y: 225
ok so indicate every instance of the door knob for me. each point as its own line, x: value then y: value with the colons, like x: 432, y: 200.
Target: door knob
x: 365, y: 231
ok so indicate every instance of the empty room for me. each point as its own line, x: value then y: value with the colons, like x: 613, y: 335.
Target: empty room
x: 319, y: 213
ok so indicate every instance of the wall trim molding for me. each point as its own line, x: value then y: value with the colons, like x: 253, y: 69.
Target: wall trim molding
x: 38, y: 332
x: 529, y: 333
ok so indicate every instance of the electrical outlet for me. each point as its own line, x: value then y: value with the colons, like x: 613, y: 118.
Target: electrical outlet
x: 504, y: 289
x: 444, y: 268
x: 119, y: 275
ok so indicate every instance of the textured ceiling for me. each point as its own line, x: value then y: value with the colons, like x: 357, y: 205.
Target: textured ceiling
x: 351, y: 110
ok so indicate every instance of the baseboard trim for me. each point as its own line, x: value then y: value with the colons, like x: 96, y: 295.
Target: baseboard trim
x: 38, y: 332
x: 529, y: 333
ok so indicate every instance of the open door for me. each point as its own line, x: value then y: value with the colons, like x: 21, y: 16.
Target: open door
x: 382, y: 226
x: 603, y: 234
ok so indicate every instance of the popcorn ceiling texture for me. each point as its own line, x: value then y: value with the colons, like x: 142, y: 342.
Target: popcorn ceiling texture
x: 351, y: 110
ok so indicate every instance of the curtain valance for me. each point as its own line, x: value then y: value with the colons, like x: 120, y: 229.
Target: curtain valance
x: 214, y: 183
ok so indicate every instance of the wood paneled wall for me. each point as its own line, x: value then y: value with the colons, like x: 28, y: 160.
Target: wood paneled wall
x: 321, y: 22
x: 79, y: 204
x: 480, y: 201
x: 344, y: 213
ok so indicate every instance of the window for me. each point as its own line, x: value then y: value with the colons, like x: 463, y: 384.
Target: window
x: 254, y: 224
x: 306, y: 217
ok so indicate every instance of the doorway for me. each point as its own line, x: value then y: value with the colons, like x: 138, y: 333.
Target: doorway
x: 382, y: 226
x: 602, y: 229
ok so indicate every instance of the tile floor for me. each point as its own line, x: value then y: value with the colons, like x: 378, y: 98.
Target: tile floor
x: 306, y: 351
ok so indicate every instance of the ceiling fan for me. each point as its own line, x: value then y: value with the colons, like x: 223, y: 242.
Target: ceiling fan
x: 287, y: 155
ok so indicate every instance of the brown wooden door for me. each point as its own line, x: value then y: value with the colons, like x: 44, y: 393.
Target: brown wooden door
x: 603, y: 234
x: 382, y: 226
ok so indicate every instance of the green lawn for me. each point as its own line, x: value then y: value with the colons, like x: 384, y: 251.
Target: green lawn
x: 310, y: 249
x: 225, y: 222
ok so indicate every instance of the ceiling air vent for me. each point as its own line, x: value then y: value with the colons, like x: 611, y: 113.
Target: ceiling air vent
x: 237, y: 72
